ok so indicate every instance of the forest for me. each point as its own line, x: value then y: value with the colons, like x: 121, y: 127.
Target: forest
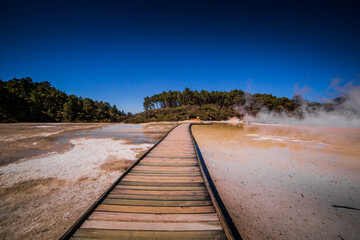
x: 22, y: 100
x: 222, y: 105
x: 214, y: 105
x: 223, y: 99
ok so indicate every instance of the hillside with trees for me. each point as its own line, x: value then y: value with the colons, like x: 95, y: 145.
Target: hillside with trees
x: 215, y: 105
x: 23, y: 100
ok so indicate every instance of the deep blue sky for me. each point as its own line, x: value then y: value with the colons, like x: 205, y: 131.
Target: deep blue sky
x: 122, y: 51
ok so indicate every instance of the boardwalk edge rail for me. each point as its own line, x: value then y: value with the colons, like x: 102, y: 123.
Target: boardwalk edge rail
x: 225, y: 218
x: 70, y: 232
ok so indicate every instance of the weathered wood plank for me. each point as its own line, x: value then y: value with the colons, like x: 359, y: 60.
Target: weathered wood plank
x: 167, y: 168
x: 167, y: 180
x: 163, y: 174
x: 153, y: 192
x: 184, y: 184
x: 141, y: 217
x: 162, y: 179
x: 168, y: 164
x: 180, y: 149
x: 143, y: 209
x: 172, y: 156
x: 161, y: 188
x: 172, y: 150
x: 140, y: 235
x: 159, y: 197
x: 169, y: 160
x: 169, y: 203
x: 152, y: 226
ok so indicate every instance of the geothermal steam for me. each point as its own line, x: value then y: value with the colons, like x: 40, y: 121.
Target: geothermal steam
x: 343, y: 111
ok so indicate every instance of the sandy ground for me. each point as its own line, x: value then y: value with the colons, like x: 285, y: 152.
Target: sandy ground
x: 43, y: 193
x: 282, y: 182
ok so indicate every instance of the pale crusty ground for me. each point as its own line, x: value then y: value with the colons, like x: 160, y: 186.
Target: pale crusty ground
x: 281, y: 182
x: 24, y: 140
x: 43, y: 195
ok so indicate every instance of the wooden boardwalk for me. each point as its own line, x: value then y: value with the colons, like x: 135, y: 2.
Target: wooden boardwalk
x: 164, y: 196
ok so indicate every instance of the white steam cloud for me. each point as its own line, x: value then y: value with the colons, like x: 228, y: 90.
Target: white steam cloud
x: 339, y: 112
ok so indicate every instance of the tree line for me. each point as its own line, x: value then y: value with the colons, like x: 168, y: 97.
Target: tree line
x: 223, y: 99
x: 24, y: 100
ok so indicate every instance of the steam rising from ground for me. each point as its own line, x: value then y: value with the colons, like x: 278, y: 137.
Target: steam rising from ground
x: 343, y: 111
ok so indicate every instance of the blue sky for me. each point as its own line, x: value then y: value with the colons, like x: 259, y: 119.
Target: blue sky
x: 122, y: 51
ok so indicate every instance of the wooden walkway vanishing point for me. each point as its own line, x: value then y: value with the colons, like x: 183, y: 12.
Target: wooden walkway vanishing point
x: 164, y: 195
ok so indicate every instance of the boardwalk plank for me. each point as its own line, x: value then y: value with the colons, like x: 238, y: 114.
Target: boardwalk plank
x: 145, y: 217
x: 161, y: 235
x: 159, y: 197
x: 152, y: 226
x: 190, y: 169
x: 143, y: 209
x: 163, y: 174
x: 146, y: 202
x: 168, y: 164
x: 180, y: 184
x: 153, y: 192
x: 161, y: 188
x: 162, y: 179
x: 164, y: 171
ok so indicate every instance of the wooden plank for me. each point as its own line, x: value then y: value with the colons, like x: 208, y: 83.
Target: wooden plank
x: 164, y: 174
x: 172, y: 155
x: 170, y: 159
x: 169, y: 203
x: 159, y: 177
x: 184, y: 184
x: 176, y: 145
x: 172, y: 149
x: 180, y: 149
x: 164, y: 171
x: 152, y: 226
x: 159, y: 197
x: 139, y: 235
x: 145, y: 217
x: 163, y: 179
x: 162, y: 188
x: 182, y: 193
x: 168, y: 143
x: 167, y: 168
x: 143, y: 209
x: 169, y: 164
x: 177, y: 161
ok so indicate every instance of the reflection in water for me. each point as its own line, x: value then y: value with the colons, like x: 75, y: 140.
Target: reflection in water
x: 131, y: 132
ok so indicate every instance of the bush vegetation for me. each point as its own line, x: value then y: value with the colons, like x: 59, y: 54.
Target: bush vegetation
x: 215, y: 105
x: 22, y: 100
